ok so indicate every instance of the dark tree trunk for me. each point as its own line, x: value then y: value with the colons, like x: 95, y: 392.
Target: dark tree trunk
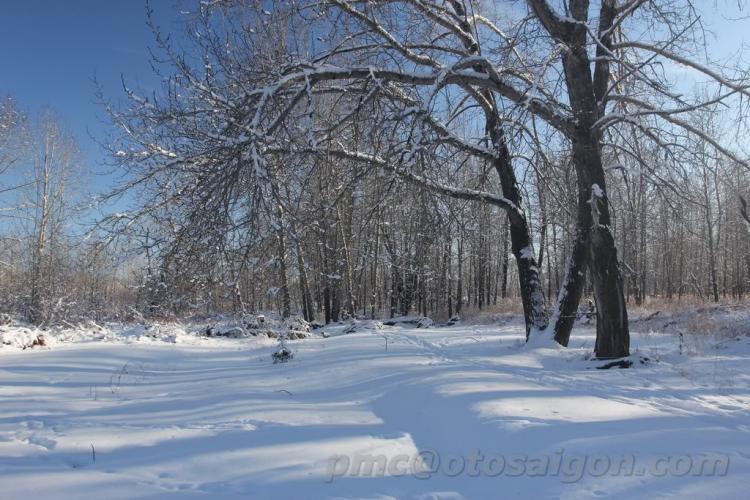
x: 532, y: 298
x: 612, y: 335
x: 504, y: 286
x: 587, y: 92
x: 327, y: 303
x: 375, y: 266
x: 286, y: 301
x: 460, y: 286
x: 572, y: 286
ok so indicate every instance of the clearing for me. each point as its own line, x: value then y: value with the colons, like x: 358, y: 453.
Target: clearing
x: 128, y: 416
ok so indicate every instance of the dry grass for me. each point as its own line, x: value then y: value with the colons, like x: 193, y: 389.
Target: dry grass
x: 504, y: 310
x: 732, y: 322
x: 698, y: 321
x: 653, y: 304
x: 691, y: 315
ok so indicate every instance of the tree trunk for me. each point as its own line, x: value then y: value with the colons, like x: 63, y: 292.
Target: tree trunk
x: 572, y: 286
x: 585, y: 93
x: 375, y: 265
x: 532, y: 298
x: 286, y: 301
x: 504, y: 287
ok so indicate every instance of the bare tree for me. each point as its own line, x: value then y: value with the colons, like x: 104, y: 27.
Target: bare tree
x: 411, y: 92
x: 13, y: 142
x: 54, y: 163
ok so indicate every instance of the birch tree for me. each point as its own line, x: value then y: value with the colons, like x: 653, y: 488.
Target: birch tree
x: 53, y: 164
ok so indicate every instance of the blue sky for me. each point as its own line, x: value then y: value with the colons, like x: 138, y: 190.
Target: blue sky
x: 50, y: 50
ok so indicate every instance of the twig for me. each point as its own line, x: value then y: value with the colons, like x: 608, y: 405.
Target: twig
x: 386, y: 341
x: 645, y: 318
x: 716, y: 346
x: 69, y: 324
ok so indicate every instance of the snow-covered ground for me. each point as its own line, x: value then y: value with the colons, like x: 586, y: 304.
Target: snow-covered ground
x: 118, y: 414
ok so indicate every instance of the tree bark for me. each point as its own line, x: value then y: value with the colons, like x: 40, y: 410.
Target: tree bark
x: 286, y: 301
x: 586, y: 92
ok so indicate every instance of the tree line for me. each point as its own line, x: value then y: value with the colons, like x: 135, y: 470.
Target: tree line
x: 382, y: 158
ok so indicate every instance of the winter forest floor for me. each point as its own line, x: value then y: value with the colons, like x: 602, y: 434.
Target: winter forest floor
x: 121, y: 415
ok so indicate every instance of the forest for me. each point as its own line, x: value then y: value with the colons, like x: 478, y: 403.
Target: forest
x: 376, y: 172
x: 327, y: 244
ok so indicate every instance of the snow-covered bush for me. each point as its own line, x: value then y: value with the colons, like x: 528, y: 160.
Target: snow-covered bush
x: 723, y: 322
x: 283, y: 353
x: 296, y: 328
x: 416, y: 321
x: 22, y: 338
x: 164, y: 332
x: 5, y: 320
x: 362, y: 326
x: 425, y: 323
x: 259, y: 325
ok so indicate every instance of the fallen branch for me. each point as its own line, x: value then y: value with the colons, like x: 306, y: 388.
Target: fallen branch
x: 623, y: 363
x: 645, y: 318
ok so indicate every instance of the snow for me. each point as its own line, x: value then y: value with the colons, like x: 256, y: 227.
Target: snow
x: 197, y: 417
x: 527, y: 253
